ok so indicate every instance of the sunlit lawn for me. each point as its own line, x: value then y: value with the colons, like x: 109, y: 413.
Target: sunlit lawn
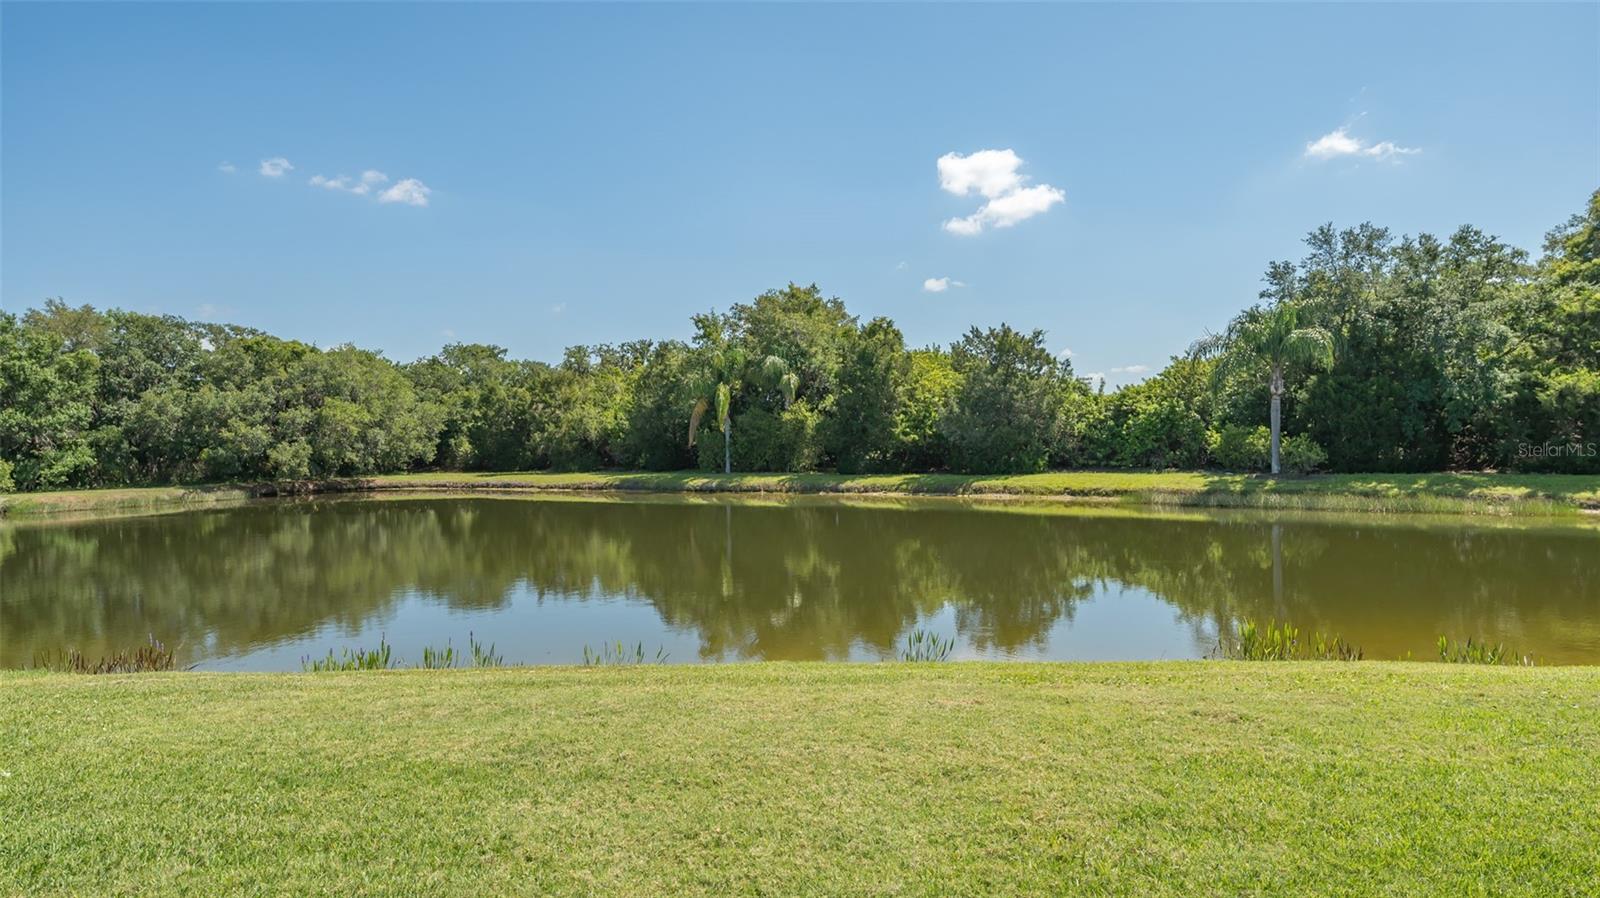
x: 1438, y: 493
x: 1189, y: 778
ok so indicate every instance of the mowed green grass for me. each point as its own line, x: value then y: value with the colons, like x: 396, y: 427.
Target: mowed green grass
x: 1486, y: 492
x: 1463, y: 493
x: 1181, y: 778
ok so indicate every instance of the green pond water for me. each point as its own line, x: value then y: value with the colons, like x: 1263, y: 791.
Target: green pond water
x: 260, y: 586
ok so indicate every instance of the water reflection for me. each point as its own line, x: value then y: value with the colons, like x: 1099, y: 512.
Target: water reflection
x: 263, y: 583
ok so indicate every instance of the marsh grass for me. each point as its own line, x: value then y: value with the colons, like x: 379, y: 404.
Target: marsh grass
x: 381, y: 658
x: 925, y: 645
x: 1276, y: 641
x: 619, y: 654
x: 483, y: 656
x: 438, y: 659
x: 153, y: 656
x: 1479, y: 652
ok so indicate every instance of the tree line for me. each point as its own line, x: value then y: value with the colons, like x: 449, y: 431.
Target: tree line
x: 1375, y: 353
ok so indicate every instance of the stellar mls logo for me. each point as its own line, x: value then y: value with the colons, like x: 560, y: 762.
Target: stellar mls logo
x: 1557, y: 450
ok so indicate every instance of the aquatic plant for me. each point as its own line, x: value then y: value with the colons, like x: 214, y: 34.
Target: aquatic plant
x: 1281, y: 642
x: 617, y: 654
x: 1328, y: 647
x: 481, y: 656
x: 438, y: 659
x: 1471, y: 652
x: 925, y: 645
x: 150, y: 657
x: 381, y: 658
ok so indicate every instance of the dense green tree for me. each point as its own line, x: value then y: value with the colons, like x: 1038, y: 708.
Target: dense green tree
x: 1270, y: 340
x: 1445, y: 353
x: 1008, y: 409
x: 46, y: 396
x: 862, y: 433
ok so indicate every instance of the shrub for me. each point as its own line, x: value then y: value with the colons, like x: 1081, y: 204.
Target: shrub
x: 1302, y: 455
x: 1240, y: 448
x: 6, y: 484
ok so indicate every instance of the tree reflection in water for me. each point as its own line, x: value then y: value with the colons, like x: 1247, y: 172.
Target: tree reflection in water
x: 806, y: 579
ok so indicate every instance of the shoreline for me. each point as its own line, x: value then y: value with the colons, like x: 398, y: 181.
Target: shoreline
x: 1491, y: 494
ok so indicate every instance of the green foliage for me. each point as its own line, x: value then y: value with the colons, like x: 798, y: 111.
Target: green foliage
x: 1282, y: 642
x: 1477, y: 652
x: 1302, y: 455
x: 617, y: 655
x: 1008, y: 408
x: 381, y: 658
x: 925, y: 645
x: 1237, y: 447
x: 1381, y: 354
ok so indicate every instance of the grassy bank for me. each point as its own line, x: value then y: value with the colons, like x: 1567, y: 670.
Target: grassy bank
x: 1501, y: 494
x: 1081, y: 779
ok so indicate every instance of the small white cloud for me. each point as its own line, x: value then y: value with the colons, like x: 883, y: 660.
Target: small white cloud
x: 1064, y: 354
x: 227, y: 168
x: 410, y: 191
x: 1131, y: 369
x: 939, y: 285
x: 276, y: 167
x: 994, y: 175
x: 991, y: 173
x: 1338, y: 142
x: 558, y: 308
x: 901, y: 267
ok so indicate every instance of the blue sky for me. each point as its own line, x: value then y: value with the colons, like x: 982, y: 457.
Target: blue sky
x: 597, y: 174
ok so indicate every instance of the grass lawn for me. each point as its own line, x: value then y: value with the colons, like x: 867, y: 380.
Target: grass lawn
x: 1187, y: 778
x: 1470, y: 493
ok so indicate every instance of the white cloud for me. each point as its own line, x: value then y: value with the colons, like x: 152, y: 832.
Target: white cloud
x: 939, y: 285
x: 558, y: 308
x: 360, y: 187
x: 1064, y: 354
x: 994, y: 175
x: 227, y: 168
x: 275, y: 167
x: 989, y: 172
x: 901, y: 267
x: 1131, y: 369
x: 1338, y: 142
x: 410, y: 191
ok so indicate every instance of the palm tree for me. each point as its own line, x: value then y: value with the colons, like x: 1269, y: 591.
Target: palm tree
x: 1272, y: 337
x: 727, y: 377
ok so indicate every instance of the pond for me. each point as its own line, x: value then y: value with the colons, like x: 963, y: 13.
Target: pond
x: 262, y: 585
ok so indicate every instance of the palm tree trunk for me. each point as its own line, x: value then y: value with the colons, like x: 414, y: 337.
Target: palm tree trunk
x: 727, y: 448
x: 1277, y: 418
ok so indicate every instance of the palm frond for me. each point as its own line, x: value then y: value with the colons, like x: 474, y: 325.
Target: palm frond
x: 700, y: 406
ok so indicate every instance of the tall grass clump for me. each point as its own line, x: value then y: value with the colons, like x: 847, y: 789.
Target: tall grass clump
x: 1471, y: 652
x: 438, y: 659
x: 1281, y: 642
x: 381, y: 658
x: 925, y: 645
x: 483, y: 656
x: 619, y: 654
x: 146, y: 658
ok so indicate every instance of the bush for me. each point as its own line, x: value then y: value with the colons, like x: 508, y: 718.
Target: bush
x: 1302, y: 455
x: 789, y: 440
x: 6, y: 485
x: 1240, y: 448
